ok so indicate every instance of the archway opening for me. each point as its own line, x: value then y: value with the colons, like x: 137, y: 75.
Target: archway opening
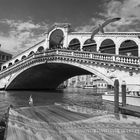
x: 107, y: 46
x: 40, y: 49
x: 50, y: 75
x: 23, y: 57
x: 90, y: 45
x: 128, y: 48
x: 10, y: 64
x: 56, y: 39
x: 31, y: 53
x: 4, y: 67
x: 16, y: 60
x: 74, y: 45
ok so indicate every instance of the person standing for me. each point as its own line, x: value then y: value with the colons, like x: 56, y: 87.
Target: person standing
x: 30, y: 100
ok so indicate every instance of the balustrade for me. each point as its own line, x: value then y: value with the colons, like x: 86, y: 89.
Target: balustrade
x: 87, y: 55
x: 127, y: 60
x: 67, y: 53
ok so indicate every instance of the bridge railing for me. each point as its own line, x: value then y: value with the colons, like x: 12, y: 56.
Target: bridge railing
x: 40, y: 54
x: 132, y: 60
x: 117, y: 58
x: 127, y: 60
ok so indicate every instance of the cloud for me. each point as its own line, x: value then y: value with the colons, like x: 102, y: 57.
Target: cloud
x: 128, y: 10
x: 21, y: 35
x: 93, y: 22
x: 84, y: 28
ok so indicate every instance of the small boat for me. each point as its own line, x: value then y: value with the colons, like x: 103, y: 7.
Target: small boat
x: 133, y: 94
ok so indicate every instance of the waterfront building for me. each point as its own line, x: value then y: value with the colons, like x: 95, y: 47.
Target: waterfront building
x: 4, y: 56
x: 87, y: 80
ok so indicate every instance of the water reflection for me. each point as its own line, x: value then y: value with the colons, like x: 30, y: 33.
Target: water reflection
x: 51, y: 124
x: 70, y: 95
x: 65, y: 117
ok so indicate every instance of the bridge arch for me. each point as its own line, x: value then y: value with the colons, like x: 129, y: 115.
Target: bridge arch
x: 90, y: 45
x: 107, y: 46
x: 56, y: 38
x: 47, y: 75
x: 128, y: 47
x: 74, y: 44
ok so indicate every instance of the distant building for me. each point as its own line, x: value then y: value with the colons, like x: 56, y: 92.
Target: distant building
x: 87, y: 80
x: 4, y: 56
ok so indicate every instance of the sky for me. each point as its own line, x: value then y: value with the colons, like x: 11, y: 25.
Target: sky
x: 24, y: 22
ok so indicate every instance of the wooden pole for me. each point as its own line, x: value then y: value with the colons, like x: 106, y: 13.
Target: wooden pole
x: 116, y: 96
x: 7, y: 119
x: 123, y: 93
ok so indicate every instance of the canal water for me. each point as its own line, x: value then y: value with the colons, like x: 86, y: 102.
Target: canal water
x: 99, y: 125
x: 78, y: 96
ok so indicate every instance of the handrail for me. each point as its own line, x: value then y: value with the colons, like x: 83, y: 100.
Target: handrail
x: 129, y: 60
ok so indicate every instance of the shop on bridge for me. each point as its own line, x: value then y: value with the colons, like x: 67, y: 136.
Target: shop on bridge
x: 129, y: 48
x: 90, y: 46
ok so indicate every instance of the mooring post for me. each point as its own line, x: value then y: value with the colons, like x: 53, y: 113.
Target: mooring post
x: 123, y: 93
x: 116, y: 96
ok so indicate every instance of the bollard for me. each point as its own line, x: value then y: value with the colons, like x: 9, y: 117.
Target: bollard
x: 123, y: 93
x: 116, y: 96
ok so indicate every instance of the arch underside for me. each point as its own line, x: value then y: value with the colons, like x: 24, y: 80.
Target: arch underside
x: 45, y: 76
x: 48, y: 76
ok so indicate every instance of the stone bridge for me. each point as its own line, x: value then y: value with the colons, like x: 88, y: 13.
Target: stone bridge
x: 64, y: 54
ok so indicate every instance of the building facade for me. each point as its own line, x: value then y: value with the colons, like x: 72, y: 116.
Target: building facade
x: 4, y: 56
x: 87, y: 81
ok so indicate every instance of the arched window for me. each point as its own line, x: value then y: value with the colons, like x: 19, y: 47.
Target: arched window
x: 4, y: 67
x: 10, y: 64
x: 129, y: 48
x: 90, y: 45
x: 23, y: 57
x: 74, y: 45
x: 31, y: 53
x: 16, y: 60
x: 107, y: 46
x: 56, y: 39
x: 40, y: 49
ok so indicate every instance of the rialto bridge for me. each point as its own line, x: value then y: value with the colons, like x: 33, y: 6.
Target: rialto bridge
x: 64, y: 54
